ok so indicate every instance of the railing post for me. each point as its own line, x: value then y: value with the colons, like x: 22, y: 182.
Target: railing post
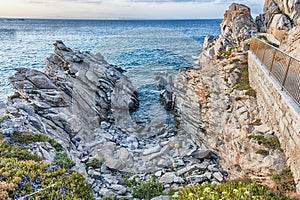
x: 273, y: 59
x: 287, y: 70
x: 263, y: 58
x: 257, y: 44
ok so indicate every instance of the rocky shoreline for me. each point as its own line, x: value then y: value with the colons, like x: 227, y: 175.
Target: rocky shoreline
x: 74, y: 102
x: 84, y: 104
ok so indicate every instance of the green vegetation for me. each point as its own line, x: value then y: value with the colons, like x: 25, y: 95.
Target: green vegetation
x: 145, y: 190
x: 264, y: 38
x: 262, y: 152
x: 229, y: 52
x: 284, y: 181
x: 95, y: 163
x: 23, y: 174
x: 61, y: 158
x: 14, y: 96
x: 2, y: 119
x: 8, y: 151
x: 29, y: 138
x: 256, y: 122
x: 232, y: 190
x: 271, y: 142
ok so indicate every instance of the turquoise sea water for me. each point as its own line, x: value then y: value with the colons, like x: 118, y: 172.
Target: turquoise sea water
x: 145, y: 48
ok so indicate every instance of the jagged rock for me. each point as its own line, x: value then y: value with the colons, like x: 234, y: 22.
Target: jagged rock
x: 116, y: 164
x: 152, y: 150
x: 202, y: 154
x: 289, y: 10
x: 237, y: 26
x: 280, y: 22
x: 291, y: 42
x: 43, y: 150
x: 213, y: 112
x: 119, y: 189
x: 208, y: 41
x: 218, y: 176
x: 167, y: 99
x: 168, y: 178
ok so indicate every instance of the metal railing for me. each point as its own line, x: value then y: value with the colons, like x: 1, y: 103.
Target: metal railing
x: 282, y: 66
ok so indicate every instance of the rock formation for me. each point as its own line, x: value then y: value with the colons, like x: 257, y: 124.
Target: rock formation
x: 236, y: 27
x: 282, y: 20
x: 217, y: 106
x: 75, y: 101
x: 279, y: 14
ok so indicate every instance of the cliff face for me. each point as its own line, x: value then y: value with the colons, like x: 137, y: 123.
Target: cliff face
x: 279, y: 14
x: 281, y: 18
x: 236, y: 27
x: 217, y: 106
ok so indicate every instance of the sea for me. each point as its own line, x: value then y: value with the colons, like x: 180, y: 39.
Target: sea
x: 146, y: 49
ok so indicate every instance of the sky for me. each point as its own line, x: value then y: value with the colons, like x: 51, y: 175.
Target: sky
x: 121, y: 9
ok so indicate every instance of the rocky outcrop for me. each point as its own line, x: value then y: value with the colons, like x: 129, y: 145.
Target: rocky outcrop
x: 236, y: 27
x: 217, y: 106
x: 279, y: 15
x: 291, y: 42
x: 73, y: 95
x: 76, y: 101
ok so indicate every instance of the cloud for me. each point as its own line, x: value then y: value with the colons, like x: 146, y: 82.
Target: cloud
x: 64, y: 1
x: 179, y: 1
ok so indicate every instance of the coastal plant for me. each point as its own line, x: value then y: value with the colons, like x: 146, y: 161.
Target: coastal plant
x: 30, y: 138
x: 23, y: 175
x: 271, y: 142
x: 61, y: 158
x: 262, y: 152
x: 8, y: 151
x: 245, y: 189
x: 95, y: 163
x: 284, y: 181
x: 2, y: 119
x: 145, y: 190
x: 242, y: 82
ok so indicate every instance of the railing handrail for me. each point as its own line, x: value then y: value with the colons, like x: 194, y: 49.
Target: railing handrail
x: 281, y: 51
x: 282, y: 66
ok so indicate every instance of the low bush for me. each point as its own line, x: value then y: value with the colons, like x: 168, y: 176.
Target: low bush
x: 242, y: 190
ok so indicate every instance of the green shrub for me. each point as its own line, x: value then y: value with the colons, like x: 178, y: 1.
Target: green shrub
x: 284, y: 181
x: 8, y: 151
x: 232, y: 190
x: 145, y: 190
x: 62, y: 159
x: 29, y: 138
x: 271, y: 143
x: 22, y: 174
x: 262, y: 152
x: 2, y: 119
x: 95, y: 163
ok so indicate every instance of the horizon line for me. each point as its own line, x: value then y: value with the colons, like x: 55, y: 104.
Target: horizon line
x: 111, y: 19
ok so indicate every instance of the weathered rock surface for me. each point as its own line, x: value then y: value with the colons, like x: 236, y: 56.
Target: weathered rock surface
x: 291, y: 42
x: 218, y: 112
x: 279, y: 14
x: 236, y: 27
x: 75, y: 100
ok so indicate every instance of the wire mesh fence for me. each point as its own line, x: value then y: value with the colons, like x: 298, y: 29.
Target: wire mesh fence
x: 282, y: 66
